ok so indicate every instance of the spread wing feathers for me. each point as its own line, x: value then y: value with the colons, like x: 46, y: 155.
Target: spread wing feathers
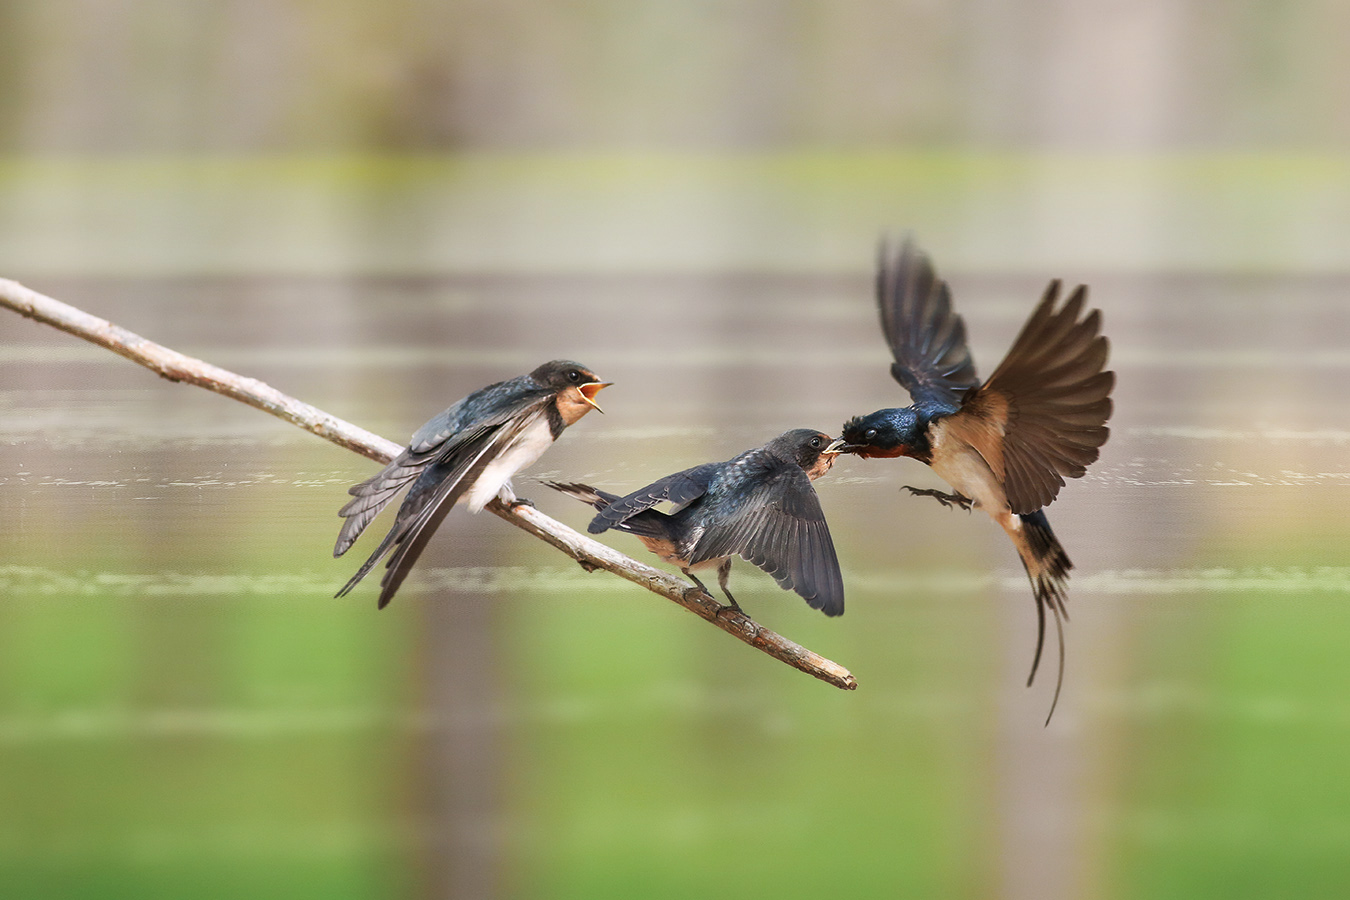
x: 680, y: 488
x: 782, y: 530
x: 928, y: 339
x: 1049, y: 397
x: 436, y: 490
x: 437, y: 439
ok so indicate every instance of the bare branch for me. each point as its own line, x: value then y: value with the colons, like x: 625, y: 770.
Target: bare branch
x: 590, y: 553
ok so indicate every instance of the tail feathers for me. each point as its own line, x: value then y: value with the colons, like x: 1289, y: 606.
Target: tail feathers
x: 649, y: 523
x: 585, y: 493
x: 1047, y: 566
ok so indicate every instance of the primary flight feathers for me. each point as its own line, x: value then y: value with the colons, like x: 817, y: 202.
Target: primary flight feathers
x: 1006, y: 445
x: 469, y: 452
x: 759, y: 506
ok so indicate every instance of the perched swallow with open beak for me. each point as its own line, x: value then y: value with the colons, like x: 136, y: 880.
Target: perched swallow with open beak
x: 759, y: 506
x: 469, y: 453
x: 1006, y: 445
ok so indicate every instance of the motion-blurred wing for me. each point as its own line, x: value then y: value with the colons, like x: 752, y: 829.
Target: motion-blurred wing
x: 927, y: 338
x: 1041, y: 417
x: 782, y: 529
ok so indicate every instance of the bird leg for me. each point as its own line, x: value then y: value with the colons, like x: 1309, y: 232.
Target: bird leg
x: 698, y: 584
x: 506, y: 494
x: 948, y: 500
x: 723, y: 570
x: 723, y: 573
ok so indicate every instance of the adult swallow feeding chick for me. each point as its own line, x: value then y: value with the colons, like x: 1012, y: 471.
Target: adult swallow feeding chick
x: 759, y: 505
x: 469, y: 452
x: 1006, y: 445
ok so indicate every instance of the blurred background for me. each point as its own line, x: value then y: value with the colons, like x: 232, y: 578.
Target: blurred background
x: 381, y: 207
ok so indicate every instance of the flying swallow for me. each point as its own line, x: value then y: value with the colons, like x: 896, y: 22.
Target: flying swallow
x: 469, y: 452
x: 1006, y: 445
x: 759, y: 506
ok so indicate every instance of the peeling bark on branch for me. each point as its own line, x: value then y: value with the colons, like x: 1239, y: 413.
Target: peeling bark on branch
x: 591, y: 554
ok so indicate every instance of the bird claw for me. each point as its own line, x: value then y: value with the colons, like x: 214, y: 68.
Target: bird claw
x: 948, y: 500
x: 694, y: 593
x: 732, y: 607
x: 518, y: 502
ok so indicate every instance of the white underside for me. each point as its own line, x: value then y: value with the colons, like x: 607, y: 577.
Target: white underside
x: 527, y: 447
x: 962, y: 467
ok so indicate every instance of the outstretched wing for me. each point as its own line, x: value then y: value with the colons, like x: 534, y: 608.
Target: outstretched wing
x: 1041, y: 417
x: 927, y: 339
x: 781, y: 528
x: 680, y: 488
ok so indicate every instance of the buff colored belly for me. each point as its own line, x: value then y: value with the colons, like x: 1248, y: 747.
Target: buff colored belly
x: 962, y: 467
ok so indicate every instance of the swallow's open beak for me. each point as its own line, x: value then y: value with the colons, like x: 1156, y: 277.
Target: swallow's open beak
x: 588, y: 392
x: 836, y: 447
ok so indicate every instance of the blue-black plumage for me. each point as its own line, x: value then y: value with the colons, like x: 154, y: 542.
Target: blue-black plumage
x: 759, y: 506
x: 1007, y: 444
x: 469, y: 452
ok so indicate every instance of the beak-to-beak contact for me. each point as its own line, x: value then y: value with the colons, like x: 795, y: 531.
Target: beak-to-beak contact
x: 836, y: 447
x: 588, y: 392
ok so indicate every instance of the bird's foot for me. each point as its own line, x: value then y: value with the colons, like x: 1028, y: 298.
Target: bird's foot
x: 945, y: 499
x: 695, y: 594
x: 518, y: 502
x: 732, y: 607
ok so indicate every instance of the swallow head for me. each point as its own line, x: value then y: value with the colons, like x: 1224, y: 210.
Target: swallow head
x: 813, y: 450
x: 887, y: 433
x: 576, y: 386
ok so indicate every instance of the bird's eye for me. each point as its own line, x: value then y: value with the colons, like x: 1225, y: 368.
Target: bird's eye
x: 574, y: 375
x: 871, y: 433
x: 815, y: 443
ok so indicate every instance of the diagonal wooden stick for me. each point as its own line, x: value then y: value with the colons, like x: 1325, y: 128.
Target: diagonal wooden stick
x: 589, y: 553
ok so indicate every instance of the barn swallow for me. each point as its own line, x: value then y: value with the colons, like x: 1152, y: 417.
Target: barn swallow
x: 469, y: 452
x: 759, y: 505
x: 1006, y: 445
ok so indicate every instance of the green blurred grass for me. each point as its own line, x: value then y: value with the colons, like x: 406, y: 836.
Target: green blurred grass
x: 1235, y: 781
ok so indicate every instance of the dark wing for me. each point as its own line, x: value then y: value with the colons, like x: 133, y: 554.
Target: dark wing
x: 1041, y: 417
x: 372, y: 495
x: 439, y: 437
x: 679, y: 489
x: 928, y: 339
x: 781, y: 528
x: 434, y: 493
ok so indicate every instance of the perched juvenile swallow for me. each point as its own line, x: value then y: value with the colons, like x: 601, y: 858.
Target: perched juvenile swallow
x: 1007, y: 445
x: 759, y: 506
x: 469, y: 452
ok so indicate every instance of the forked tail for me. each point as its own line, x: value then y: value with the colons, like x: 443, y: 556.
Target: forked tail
x: 649, y: 523
x: 1048, y: 568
